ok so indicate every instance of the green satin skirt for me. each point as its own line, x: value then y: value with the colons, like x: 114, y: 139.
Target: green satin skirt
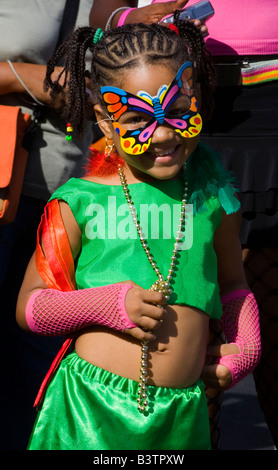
x: 88, y: 408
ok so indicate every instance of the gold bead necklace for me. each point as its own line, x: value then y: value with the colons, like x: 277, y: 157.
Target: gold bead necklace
x: 161, y: 285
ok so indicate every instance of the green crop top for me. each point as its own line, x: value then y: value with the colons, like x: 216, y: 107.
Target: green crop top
x: 112, y: 252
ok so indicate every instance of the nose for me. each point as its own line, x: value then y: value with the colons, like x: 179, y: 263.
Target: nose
x: 162, y: 134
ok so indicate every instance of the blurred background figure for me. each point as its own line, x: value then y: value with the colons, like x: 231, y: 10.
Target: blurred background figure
x: 243, y: 38
x: 29, y: 35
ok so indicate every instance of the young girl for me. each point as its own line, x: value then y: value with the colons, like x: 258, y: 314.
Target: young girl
x: 137, y: 290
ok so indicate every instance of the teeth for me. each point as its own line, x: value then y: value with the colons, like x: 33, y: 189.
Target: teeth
x: 166, y: 153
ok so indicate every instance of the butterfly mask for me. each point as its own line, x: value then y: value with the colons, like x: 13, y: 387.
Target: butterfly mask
x: 135, y: 117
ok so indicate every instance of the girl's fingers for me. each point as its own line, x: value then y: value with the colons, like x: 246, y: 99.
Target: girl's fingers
x: 216, y: 376
x: 154, y: 297
x: 140, y: 334
x: 145, y: 308
x: 157, y: 312
x: 151, y: 323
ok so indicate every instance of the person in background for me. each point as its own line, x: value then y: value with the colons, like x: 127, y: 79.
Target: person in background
x: 108, y: 16
x: 243, y: 39
x: 29, y: 35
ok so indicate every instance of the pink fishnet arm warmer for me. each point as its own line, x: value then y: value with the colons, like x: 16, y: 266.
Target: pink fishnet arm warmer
x: 50, y: 312
x: 241, y: 325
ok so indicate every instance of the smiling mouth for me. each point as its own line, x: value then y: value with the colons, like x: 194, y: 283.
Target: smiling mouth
x: 164, y: 155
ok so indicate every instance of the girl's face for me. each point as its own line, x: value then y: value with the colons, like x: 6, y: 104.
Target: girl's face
x: 168, y: 143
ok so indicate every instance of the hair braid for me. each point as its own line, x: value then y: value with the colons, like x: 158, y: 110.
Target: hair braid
x: 202, y: 64
x: 121, y: 49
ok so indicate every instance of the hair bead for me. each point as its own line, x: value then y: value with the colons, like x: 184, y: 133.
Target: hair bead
x: 69, y: 132
x: 173, y: 28
x: 98, y: 35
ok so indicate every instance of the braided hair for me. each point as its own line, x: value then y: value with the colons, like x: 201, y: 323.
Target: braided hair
x: 121, y: 49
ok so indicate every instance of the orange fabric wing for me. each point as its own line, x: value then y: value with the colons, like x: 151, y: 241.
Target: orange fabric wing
x: 55, y: 265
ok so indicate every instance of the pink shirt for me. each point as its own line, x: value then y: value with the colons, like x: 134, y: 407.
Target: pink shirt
x: 242, y: 27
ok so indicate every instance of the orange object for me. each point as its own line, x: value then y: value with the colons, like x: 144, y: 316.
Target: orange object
x: 55, y: 265
x: 54, y: 259
x: 13, y: 159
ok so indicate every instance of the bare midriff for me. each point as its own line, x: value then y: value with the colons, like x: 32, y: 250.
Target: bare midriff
x: 175, y: 358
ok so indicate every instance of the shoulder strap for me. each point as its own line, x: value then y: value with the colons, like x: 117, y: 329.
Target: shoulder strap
x: 68, y: 20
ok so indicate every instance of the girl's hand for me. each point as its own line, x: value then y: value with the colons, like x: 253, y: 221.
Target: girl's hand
x: 216, y: 375
x: 145, y: 308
